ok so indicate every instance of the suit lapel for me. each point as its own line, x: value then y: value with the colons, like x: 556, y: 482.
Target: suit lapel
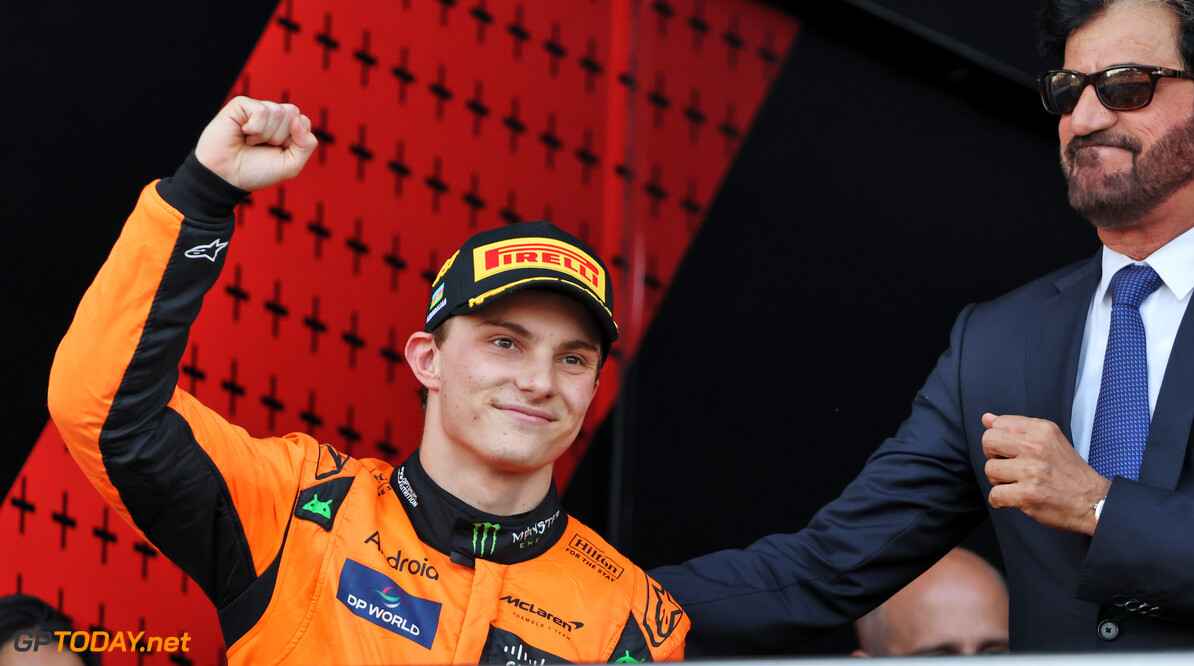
x: 1169, y: 433
x: 1055, y: 342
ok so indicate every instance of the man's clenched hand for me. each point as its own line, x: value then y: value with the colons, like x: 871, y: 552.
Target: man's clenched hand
x: 253, y: 144
x: 1035, y: 469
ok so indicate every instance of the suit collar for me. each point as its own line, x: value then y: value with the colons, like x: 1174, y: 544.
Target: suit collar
x: 1171, y: 262
x: 1169, y: 432
x: 1055, y: 343
x: 467, y: 534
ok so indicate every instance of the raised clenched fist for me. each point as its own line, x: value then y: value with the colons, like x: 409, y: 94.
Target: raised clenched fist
x: 253, y: 144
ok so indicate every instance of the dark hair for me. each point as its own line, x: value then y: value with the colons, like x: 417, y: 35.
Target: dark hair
x: 21, y: 612
x: 1060, y: 18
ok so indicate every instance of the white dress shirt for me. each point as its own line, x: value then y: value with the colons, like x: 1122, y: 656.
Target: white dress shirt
x: 1162, y: 314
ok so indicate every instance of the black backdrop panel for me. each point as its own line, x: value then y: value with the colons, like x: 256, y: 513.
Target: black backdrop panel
x: 101, y: 98
x: 875, y: 197
x: 1000, y: 35
x: 1003, y: 30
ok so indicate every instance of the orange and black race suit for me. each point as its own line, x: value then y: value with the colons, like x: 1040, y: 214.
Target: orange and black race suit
x: 310, y: 555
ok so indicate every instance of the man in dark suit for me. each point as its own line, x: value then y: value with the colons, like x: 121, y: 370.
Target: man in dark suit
x: 1062, y: 410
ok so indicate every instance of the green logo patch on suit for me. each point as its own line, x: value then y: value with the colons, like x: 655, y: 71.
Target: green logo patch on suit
x: 319, y: 503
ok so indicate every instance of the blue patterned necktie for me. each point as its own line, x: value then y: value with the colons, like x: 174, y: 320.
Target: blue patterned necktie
x: 1121, y: 416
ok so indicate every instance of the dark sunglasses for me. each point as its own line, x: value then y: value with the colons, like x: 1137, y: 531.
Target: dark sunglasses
x: 1119, y: 88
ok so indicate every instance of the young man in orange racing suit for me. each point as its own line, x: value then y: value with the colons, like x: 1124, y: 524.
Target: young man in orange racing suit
x: 297, y: 544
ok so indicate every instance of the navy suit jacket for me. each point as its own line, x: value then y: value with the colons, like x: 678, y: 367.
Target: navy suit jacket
x: 1129, y: 587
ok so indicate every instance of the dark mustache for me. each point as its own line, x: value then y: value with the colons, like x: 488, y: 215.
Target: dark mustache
x: 1101, y: 138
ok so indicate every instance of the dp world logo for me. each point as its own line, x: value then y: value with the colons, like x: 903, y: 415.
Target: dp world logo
x: 485, y: 535
x: 372, y: 596
x: 390, y: 596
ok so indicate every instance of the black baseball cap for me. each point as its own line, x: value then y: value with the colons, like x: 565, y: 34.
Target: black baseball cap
x: 528, y: 255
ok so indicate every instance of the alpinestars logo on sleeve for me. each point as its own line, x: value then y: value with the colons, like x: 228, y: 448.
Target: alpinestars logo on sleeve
x: 662, y: 614
x: 208, y: 252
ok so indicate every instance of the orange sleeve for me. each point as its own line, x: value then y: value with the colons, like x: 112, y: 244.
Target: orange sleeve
x: 205, y: 493
x: 663, y: 621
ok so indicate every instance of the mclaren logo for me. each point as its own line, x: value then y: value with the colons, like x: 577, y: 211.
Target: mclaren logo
x: 529, y: 607
x: 208, y: 252
x: 544, y: 253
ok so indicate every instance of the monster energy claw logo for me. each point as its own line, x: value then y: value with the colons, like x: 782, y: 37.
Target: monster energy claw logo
x: 485, y: 533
